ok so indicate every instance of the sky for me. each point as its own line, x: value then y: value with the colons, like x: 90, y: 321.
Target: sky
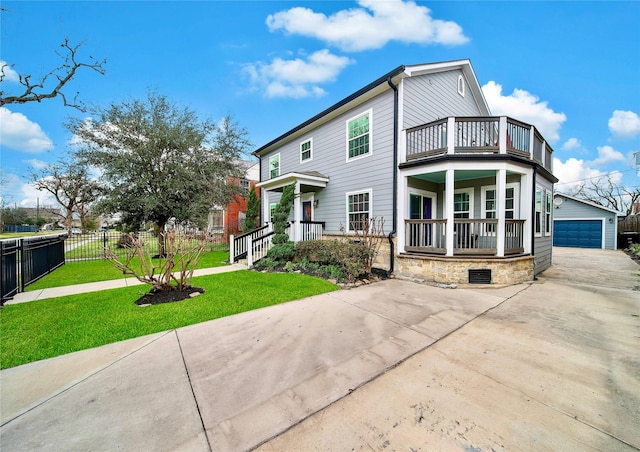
x: 571, y: 68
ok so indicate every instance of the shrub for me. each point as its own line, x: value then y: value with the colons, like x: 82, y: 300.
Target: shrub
x: 345, y: 258
x: 282, y: 252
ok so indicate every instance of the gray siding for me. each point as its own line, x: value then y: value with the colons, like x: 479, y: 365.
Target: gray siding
x: 374, y: 171
x: 575, y: 210
x: 434, y: 96
x: 543, y: 245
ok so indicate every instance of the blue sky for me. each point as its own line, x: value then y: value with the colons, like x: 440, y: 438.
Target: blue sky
x: 571, y: 68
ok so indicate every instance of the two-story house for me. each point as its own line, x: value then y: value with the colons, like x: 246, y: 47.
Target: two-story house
x: 466, y: 196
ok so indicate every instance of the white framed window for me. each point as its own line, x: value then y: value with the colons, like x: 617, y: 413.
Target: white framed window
x: 359, y: 136
x: 272, y: 209
x: 274, y: 166
x: 547, y: 213
x: 461, y: 85
x: 538, y: 218
x: 306, y: 150
x: 489, y: 203
x: 358, y: 209
x: 463, y: 203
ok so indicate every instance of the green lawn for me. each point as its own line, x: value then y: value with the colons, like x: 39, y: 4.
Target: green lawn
x: 102, y: 270
x: 51, y: 327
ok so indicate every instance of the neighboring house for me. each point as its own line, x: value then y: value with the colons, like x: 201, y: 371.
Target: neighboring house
x: 230, y: 219
x: 466, y: 197
x: 583, y: 224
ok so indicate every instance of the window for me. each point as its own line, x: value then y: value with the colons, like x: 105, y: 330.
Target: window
x: 462, y: 203
x: 461, y: 85
x: 244, y: 187
x: 547, y: 215
x: 272, y: 209
x: 538, y: 212
x: 305, y: 150
x: 358, y: 140
x: 274, y: 166
x: 358, y: 210
x: 490, y: 204
x: 216, y: 220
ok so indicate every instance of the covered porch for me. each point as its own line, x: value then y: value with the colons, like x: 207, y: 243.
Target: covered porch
x: 473, y: 209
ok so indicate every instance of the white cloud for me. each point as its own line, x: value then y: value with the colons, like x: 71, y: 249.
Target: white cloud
x: 606, y: 154
x: 9, y: 74
x: 19, y: 133
x: 296, y: 78
x: 36, y: 164
x: 573, y: 173
x: 31, y: 197
x: 526, y: 107
x: 624, y: 124
x: 370, y: 26
x: 571, y: 144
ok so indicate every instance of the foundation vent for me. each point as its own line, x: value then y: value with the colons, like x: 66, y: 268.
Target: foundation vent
x: 482, y: 276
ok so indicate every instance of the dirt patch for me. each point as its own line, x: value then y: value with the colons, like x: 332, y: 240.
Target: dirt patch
x: 168, y: 296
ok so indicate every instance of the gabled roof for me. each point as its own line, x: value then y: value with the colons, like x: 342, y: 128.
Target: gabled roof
x: 380, y: 85
x: 588, y: 203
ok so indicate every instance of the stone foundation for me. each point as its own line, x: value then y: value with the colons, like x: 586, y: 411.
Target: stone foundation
x: 455, y: 270
x: 450, y: 270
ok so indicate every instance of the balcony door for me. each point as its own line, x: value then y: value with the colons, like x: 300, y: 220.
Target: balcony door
x: 421, y: 205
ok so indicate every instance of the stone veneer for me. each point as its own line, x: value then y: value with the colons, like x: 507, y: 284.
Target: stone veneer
x: 451, y: 270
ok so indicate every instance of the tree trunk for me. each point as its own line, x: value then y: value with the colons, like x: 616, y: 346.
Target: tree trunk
x: 160, y: 233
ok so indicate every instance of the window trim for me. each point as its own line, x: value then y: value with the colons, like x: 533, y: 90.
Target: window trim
x: 353, y: 118
x: 547, y: 213
x: 537, y: 220
x: 516, y: 201
x: 369, y: 191
x: 310, y: 141
x: 272, y: 207
x: 271, y: 176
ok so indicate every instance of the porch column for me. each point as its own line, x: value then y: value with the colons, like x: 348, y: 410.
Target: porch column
x: 502, y: 137
x: 266, y: 212
x: 526, y: 201
x: 297, y: 214
x: 451, y: 135
x: 501, y: 189
x: 403, y: 197
x: 450, y: 187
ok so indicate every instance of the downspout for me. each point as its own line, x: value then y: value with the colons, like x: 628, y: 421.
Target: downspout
x: 395, y: 178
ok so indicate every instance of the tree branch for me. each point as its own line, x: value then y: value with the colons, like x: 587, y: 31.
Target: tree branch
x: 63, y: 74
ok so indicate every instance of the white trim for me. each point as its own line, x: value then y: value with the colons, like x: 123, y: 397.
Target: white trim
x: 286, y: 179
x: 423, y: 193
x: 308, y: 197
x: 535, y: 210
x: 310, y: 140
x: 461, y: 84
x: 588, y: 203
x: 279, y: 166
x: 346, y: 207
x: 603, y: 230
x: 370, y: 152
x: 469, y: 190
x: 548, y: 203
x: 271, y: 207
x: 516, y: 199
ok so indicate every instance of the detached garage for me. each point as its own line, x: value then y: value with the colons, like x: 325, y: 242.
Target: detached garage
x: 582, y: 224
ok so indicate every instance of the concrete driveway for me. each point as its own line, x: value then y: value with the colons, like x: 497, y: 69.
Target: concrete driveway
x: 393, y: 366
x: 555, y: 367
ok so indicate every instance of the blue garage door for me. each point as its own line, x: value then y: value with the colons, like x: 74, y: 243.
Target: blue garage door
x: 577, y: 233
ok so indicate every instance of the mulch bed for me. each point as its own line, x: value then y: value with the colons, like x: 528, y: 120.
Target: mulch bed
x: 167, y: 296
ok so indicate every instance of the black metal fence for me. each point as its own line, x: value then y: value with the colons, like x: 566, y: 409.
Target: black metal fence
x: 92, y: 246
x: 28, y: 259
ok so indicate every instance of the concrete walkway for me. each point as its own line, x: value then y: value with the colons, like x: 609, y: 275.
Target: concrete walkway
x: 55, y: 292
x: 393, y: 365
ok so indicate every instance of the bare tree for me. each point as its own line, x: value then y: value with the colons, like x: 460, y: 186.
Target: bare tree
x: 603, y: 191
x: 70, y: 185
x: 43, y: 88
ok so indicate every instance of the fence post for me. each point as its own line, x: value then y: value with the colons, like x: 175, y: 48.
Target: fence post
x: 249, y: 251
x: 23, y: 263
x: 232, y: 248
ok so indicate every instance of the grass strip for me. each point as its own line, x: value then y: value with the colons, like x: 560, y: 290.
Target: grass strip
x: 52, y: 327
x: 102, y: 270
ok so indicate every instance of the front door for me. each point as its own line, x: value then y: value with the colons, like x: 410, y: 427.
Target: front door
x: 306, y: 211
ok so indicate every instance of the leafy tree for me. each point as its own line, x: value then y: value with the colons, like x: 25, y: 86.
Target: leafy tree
x: 70, y: 184
x: 253, y: 210
x: 160, y: 161
x: 53, y: 83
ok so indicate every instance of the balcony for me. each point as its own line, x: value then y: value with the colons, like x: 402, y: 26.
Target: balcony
x: 476, y: 237
x: 477, y: 136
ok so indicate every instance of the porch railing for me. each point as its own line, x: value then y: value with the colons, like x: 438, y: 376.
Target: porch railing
x: 312, y: 230
x: 238, y: 245
x: 477, y: 135
x: 471, y: 236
